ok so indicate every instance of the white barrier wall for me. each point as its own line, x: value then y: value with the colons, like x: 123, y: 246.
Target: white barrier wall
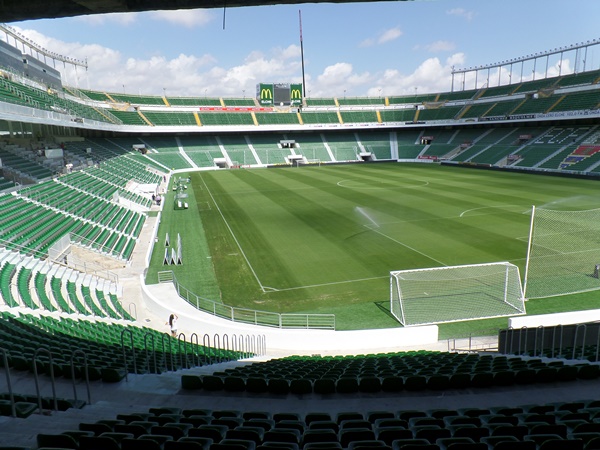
x: 162, y: 300
x: 566, y: 318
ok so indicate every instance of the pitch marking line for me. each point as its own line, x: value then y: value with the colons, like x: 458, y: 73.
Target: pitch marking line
x: 487, y: 207
x: 333, y: 283
x: 405, y: 245
x: 269, y: 288
x: 234, y: 236
x: 341, y: 183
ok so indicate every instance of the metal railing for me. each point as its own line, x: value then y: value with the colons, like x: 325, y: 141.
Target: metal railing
x: 11, y: 397
x: 174, y: 353
x: 579, y: 341
x: 250, y: 316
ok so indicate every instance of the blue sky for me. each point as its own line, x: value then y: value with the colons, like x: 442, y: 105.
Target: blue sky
x: 358, y: 49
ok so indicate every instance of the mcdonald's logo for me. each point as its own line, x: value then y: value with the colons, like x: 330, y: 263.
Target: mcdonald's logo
x: 295, y: 94
x: 266, y: 94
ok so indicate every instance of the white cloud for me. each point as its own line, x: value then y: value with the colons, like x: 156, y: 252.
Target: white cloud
x: 367, y: 42
x: 188, y: 18
x: 440, y: 46
x: 461, y: 12
x: 457, y: 60
x: 184, y: 75
x: 104, y: 19
x: 339, y: 79
x: 432, y: 75
x: 203, y: 74
x: 389, y: 35
x: 385, y: 36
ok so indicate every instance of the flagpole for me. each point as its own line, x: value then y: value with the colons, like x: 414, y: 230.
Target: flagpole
x: 302, y: 56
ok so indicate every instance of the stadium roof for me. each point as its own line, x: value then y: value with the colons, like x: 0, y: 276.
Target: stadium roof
x: 16, y: 10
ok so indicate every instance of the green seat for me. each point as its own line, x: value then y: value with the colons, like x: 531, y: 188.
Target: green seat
x: 301, y: 386
x: 324, y: 386
x: 392, y: 384
x: 346, y: 385
x: 256, y: 385
x: 62, y: 441
x: 212, y: 383
x: 369, y: 384
x: 22, y: 409
x: 278, y: 386
x: 191, y: 382
x: 234, y: 384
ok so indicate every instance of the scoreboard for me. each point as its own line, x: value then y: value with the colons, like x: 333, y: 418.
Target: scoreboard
x: 279, y: 94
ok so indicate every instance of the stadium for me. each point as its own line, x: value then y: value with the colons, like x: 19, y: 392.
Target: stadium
x: 416, y: 272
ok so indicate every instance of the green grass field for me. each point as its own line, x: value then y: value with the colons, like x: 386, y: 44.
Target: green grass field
x: 324, y: 239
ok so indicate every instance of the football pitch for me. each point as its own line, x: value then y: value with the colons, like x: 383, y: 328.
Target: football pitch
x: 324, y: 239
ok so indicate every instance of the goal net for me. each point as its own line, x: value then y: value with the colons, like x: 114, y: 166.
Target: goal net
x: 564, y: 253
x: 452, y: 294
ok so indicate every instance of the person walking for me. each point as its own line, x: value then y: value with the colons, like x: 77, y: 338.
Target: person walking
x: 172, y: 322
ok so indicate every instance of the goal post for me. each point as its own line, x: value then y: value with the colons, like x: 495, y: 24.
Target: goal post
x: 456, y: 293
x: 563, y: 254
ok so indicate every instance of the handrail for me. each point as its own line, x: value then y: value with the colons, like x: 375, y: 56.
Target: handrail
x: 234, y: 343
x: 241, y: 344
x: 572, y: 341
x: 134, y: 315
x: 13, y: 409
x: 554, y: 332
x: 539, y: 329
x: 162, y: 339
x: 195, y: 349
x: 512, y: 339
x: 132, y: 351
x: 264, y: 345
x: 597, y: 345
x: 520, y: 338
x: 36, y: 377
x: 184, y: 350
x: 579, y: 325
x: 226, y: 346
x: 249, y: 344
x: 217, y: 347
x: 206, y: 348
x: 153, y: 351
x: 87, y: 375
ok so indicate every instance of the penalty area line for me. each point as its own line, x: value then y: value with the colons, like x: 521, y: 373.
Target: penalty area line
x: 333, y: 283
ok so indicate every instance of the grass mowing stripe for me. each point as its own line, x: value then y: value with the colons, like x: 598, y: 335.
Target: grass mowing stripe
x: 233, y: 236
x: 352, y: 197
x: 197, y: 272
x: 309, y: 233
x: 237, y: 281
x: 427, y: 205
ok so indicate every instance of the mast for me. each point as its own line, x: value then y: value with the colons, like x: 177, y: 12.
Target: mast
x: 302, y: 56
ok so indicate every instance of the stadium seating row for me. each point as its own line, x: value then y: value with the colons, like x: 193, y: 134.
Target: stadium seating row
x: 543, y: 147
x: 388, y: 373
x: 146, y: 350
x: 570, y: 425
x: 489, y: 102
